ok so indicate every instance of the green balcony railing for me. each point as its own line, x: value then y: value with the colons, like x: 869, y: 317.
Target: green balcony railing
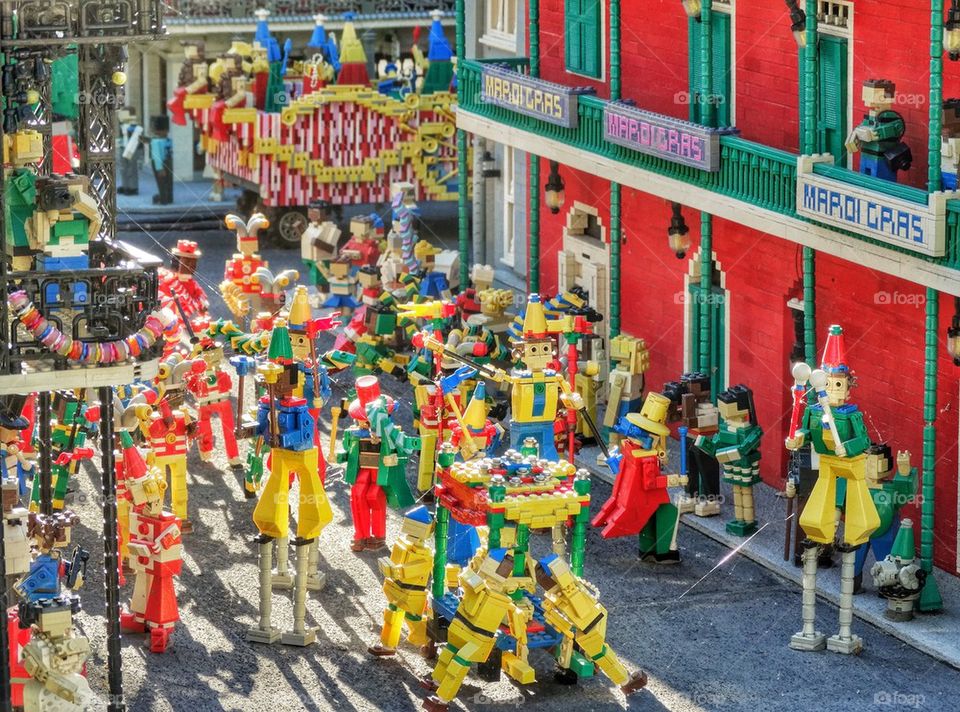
x: 750, y: 172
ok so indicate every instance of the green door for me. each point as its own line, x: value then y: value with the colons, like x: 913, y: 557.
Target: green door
x: 717, y: 301
x: 583, y: 35
x: 832, y: 97
x: 722, y: 64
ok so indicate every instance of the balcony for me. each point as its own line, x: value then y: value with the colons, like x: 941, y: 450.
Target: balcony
x: 755, y: 185
x: 300, y: 11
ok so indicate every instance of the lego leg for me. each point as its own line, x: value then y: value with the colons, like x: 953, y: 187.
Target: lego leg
x: 745, y: 522
x: 809, y: 638
x: 316, y: 579
x: 133, y: 621
x: 377, y: 503
x: 737, y: 503
x: 845, y: 641
x: 417, y: 626
x: 427, y: 462
x: 594, y: 646
x: 205, y: 434
x: 271, y: 515
x: 300, y: 635
x: 178, y: 492
x: 314, y: 512
x: 263, y: 632
x: 860, y: 513
x: 390, y: 633
x: 656, y: 538
x: 123, y: 526
x: 360, y: 510
x: 454, y: 673
x: 281, y: 579
x: 225, y: 411
x: 818, y: 518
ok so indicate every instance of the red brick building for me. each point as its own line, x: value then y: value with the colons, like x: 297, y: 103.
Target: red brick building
x: 878, y: 290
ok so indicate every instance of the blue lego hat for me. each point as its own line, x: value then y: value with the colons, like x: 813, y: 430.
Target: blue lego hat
x: 420, y: 514
x: 439, y: 50
x: 498, y: 555
x: 318, y: 40
x: 546, y: 562
x: 377, y: 221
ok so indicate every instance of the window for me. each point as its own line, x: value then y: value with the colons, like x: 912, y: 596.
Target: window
x: 583, y: 37
x: 722, y: 69
x: 832, y: 97
x: 500, y: 24
x: 509, y: 207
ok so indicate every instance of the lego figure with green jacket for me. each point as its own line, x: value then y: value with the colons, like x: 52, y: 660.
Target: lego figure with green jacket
x: 375, y: 451
x: 877, y: 138
x: 736, y: 445
x: 890, y: 488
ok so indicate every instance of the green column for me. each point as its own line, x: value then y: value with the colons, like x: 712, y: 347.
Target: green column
x: 930, y: 599
x: 706, y: 285
x: 440, y: 552
x: 463, y: 171
x: 495, y: 521
x: 708, y: 109
x: 616, y: 230
x: 578, y: 535
x: 521, y: 549
x: 808, y: 145
x: 533, y: 248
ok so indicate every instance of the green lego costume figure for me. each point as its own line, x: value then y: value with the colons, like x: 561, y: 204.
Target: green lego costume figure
x: 736, y: 446
x: 877, y: 138
x: 20, y: 200
x: 68, y: 437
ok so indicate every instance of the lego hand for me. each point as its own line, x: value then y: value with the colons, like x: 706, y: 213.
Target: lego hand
x: 795, y: 442
x: 391, y: 460
x: 865, y: 133
x: 903, y: 462
x: 853, y: 142
x: 573, y: 400
x: 676, y: 480
x: 790, y: 491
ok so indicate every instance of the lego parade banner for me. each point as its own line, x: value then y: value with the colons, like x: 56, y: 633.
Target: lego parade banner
x: 895, y: 221
x: 532, y: 97
x: 663, y: 136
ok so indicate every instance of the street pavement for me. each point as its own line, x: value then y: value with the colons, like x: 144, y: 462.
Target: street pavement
x: 711, y: 633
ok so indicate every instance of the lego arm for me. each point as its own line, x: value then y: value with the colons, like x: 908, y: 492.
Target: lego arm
x: 569, y: 397
x: 133, y: 143
x: 859, y: 440
x: 707, y: 445
x: 347, y: 443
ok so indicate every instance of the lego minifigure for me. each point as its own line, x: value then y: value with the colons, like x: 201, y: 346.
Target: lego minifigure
x: 14, y: 465
x: 736, y: 446
x: 878, y: 136
x: 626, y: 380
x: 161, y: 158
x: 406, y: 575
x: 640, y: 503
x: 212, y: 389
x: 179, y: 289
x: 573, y: 610
x: 68, y: 435
x: 837, y: 432
x: 342, y: 284
x: 155, y: 551
x: 362, y: 249
x: 193, y: 79
x: 375, y: 451
x: 898, y: 577
x: 131, y: 151
x: 691, y: 405
x: 318, y: 241
x: 434, y: 284
x: 285, y: 423
x: 238, y: 286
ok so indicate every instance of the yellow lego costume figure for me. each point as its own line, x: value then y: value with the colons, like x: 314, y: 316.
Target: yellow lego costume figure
x: 836, y: 431
x: 573, y: 610
x: 406, y: 576
x: 486, y: 602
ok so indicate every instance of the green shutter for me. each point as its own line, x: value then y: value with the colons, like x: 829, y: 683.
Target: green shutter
x: 583, y: 36
x: 832, y: 97
x: 722, y: 67
x: 718, y: 332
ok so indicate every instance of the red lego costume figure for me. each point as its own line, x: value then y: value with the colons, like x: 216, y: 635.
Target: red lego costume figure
x: 363, y: 247
x: 239, y: 285
x: 212, y: 390
x: 640, y: 503
x: 179, y: 290
x: 156, y: 552
x: 17, y: 638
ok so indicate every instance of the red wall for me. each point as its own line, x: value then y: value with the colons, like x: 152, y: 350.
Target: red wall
x: 882, y: 316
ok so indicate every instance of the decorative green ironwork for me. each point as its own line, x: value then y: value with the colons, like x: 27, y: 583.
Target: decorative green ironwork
x: 930, y: 599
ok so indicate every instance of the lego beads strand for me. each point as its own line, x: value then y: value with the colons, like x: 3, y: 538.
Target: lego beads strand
x: 107, y: 352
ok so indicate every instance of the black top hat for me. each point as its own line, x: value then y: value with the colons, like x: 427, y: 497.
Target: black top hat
x: 160, y: 122
x: 11, y: 412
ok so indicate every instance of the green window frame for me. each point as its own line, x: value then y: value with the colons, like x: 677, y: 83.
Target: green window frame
x: 720, y: 25
x: 832, y: 97
x: 583, y: 37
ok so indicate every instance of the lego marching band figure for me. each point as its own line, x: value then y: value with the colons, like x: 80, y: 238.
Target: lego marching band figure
x: 238, y: 286
x: 640, y: 503
x: 68, y: 434
x: 406, y: 575
x: 193, y: 79
x: 375, y: 451
x: 284, y: 421
x: 691, y: 405
x: 179, y: 289
x: 837, y: 432
x: 131, y: 151
x: 212, y: 389
x: 571, y: 608
x: 626, y: 380
x: 161, y: 158
x: 362, y: 249
x: 737, y: 448
x: 878, y: 136
x: 155, y: 551
x: 169, y: 426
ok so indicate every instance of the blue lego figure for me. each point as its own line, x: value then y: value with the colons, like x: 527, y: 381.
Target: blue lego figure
x: 878, y: 136
x: 161, y: 158
x: 324, y: 45
x: 49, y: 570
x: 12, y: 462
x: 434, y: 285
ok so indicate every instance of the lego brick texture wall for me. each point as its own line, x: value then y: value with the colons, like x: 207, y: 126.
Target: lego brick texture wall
x: 883, y: 316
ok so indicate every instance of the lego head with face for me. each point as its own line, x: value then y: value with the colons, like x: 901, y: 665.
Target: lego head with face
x: 193, y: 51
x: 879, y: 464
x: 186, y: 256
x: 340, y: 268
x: 418, y: 524
x: 736, y: 405
x: 879, y: 94
x: 212, y: 354
x: 950, y: 119
x: 496, y: 569
x: 318, y: 211
x: 369, y: 277
x: 630, y: 353
x: 834, y: 365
